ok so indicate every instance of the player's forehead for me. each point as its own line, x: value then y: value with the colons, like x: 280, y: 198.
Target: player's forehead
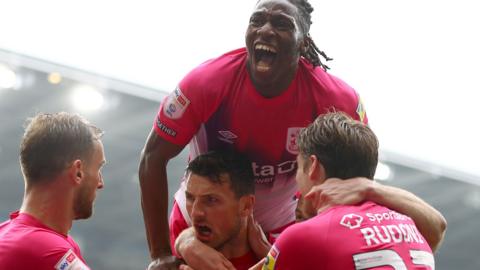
x: 276, y: 7
x: 198, y: 185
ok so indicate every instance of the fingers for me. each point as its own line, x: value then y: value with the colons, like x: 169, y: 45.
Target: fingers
x: 258, y: 266
x: 184, y: 267
x: 317, y: 197
x: 228, y: 265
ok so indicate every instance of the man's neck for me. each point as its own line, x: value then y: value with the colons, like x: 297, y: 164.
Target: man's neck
x: 237, y: 246
x: 49, y: 208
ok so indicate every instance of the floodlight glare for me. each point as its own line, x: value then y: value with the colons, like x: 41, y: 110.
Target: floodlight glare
x: 383, y: 172
x: 8, y: 78
x: 87, y: 98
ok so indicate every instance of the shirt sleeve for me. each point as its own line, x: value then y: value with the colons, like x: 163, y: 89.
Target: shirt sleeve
x: 299, y: 247
x: 191, y: 104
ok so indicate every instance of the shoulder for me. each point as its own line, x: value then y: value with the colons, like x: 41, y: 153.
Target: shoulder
x: 326, y: 82
x: 331, y: 92
x: 306, y: 231
x: 219, y: 69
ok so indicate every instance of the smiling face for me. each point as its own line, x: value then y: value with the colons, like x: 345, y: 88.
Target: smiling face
x: 274, y: 42
x: 214, y: 210
x: 92, y: 180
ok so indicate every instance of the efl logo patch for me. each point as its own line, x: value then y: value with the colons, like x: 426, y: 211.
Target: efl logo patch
x: 70, y: 261
x: 271, y: 259
x: 361, y: 110
x: 292, y: 135
x: 176, y: 104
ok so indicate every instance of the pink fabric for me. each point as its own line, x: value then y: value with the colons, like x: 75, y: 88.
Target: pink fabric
x: 26, y: 243
x: 216, y: 106
x: 177, y: 224
x: 338, y: 237
x: 244, y: 262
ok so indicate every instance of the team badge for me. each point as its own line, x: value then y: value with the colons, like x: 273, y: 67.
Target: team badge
x: 292, y: 135
x: 176, y: 104
x: 361, y: 110
x: 70, y: 261
x: 271, y: 259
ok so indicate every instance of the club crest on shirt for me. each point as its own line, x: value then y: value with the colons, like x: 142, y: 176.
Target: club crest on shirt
x: 292, y: 135
x: 70, y: 261
x: 271, y: 259
x: 176, y: 104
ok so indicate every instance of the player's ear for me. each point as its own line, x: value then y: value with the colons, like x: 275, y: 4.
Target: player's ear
x: 316, y: 171
x: 75, y: 171
x: 246, y: 205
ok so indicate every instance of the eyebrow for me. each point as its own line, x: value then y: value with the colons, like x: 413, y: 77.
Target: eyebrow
x: 274, y: 14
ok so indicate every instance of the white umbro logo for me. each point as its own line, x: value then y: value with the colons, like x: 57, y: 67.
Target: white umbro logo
x: 227, y: 136
x: 351, y: 221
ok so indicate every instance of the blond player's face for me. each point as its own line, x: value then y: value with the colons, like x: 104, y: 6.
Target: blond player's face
x: 92, y: 180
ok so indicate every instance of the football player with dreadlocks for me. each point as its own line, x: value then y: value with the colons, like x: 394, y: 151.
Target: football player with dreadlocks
x: 256, y: 100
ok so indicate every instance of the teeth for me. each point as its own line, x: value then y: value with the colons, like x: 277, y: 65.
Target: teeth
x: 265, y: 48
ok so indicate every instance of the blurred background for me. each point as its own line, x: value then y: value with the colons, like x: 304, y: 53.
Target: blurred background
x: 416, y: 65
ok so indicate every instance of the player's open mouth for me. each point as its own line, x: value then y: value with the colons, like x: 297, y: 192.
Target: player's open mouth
x: 203, y: 232
x: 264, y: 57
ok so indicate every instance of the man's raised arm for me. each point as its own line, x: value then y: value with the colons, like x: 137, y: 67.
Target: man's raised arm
x: 154, y: 198
x: 430, y: 222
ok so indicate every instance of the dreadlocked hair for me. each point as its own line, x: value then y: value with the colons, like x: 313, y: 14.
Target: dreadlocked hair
x: 312, y: 52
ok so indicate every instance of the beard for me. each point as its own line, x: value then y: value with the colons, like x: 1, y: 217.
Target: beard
x: 232, y: 234
x: 83, y: 205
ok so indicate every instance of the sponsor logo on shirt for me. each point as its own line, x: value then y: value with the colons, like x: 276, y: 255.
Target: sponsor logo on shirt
x: 292, y: 135
x: 351, y: 221
x: 271, y: 259
x: 227, y: 136
x: 266, y: 173
x: 176, y: 104
x: 70, y: 261
x: 166, y: 129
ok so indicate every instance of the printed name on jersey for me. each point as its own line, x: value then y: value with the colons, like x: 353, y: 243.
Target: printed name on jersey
x: 292, y: 135
x: 271, y: 259
x: 361, y: 110
x: 176, y: 104
x: 227, y: 136
x: 70, y: 261
x: 265, y: 174
x: 396, y: 233
x: 351, y: 221
x: 378, y: 234
x: 165, y: 129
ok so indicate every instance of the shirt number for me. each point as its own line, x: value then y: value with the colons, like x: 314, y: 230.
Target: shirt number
x: 391, y: 258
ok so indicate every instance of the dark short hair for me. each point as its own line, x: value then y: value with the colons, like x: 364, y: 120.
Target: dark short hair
x: 345, y: 147
x: 214, y: 164
x: 52, y: 141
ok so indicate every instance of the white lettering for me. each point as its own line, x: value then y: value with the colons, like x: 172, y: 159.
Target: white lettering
x: 387, y: 238
x: 391, y: 233
x: 396, y: 236
x: 391, y: 215
x: 369, y: 235
x: 272, y: 170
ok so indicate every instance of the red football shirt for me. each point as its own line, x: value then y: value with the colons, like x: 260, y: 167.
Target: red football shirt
x: 217, y: 106
x: 367, y: 236
x: 26, y: 243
